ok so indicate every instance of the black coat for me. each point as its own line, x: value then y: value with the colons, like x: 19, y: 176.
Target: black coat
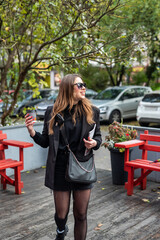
x: 52, y: 141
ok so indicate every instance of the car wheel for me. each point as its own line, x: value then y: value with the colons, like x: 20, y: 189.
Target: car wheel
x: 115, y: 116
x: 143, y: 124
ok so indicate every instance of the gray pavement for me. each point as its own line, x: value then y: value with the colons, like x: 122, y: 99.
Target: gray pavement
x: 102, y: 156
x: 112, y: 215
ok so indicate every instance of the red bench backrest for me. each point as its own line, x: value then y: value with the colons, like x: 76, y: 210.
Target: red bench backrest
x: 149, y: 146
x: 2, y: 147
x: 148, y: 137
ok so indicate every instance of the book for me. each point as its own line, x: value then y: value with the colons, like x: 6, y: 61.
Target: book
x: 91, y: 134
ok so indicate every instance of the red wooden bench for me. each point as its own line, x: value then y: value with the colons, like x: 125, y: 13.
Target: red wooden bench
x: 11, y: 163
x: 146, y: 165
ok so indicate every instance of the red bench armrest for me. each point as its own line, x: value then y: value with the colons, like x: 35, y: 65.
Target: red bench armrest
x: 128, y: 144
x: 17, y: 143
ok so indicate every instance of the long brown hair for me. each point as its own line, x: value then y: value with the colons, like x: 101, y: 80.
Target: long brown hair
x: 65, y: 98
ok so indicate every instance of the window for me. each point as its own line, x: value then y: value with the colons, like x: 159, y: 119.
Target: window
x: 108, y: 94
x: 130, y: 93
x: 154, y: 98
x: 141, y: 92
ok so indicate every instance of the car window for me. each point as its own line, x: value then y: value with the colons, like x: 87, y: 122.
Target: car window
x: 151, y: 98
x: 108, y: 94
x: 46, y: 93
x: 141, y: 91
x: 53, y: 96
x: 130, y: 93
x: 90, y: 93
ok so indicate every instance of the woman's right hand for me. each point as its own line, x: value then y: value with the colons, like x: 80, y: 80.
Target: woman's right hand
x: 29, y: 121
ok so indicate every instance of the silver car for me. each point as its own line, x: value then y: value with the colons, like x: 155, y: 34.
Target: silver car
x: 121, y: 102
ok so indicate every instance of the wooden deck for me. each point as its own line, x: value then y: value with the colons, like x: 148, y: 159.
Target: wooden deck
x: 30, y: 215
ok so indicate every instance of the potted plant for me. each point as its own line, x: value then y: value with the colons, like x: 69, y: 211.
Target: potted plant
x: 118, y: 133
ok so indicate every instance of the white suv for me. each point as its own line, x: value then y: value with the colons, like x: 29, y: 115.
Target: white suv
x: 148, y: 110
x: 117, y: 103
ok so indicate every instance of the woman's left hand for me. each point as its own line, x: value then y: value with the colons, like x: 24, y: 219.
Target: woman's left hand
x: 90, y: 143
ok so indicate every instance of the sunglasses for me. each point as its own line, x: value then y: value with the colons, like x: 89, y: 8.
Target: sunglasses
x: 80, y: 85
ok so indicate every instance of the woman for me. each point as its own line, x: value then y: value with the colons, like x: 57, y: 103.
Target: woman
x: 79, y: 119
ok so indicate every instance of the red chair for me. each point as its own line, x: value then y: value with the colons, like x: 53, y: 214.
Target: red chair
x: 18, y: 166
x: 146, y: 165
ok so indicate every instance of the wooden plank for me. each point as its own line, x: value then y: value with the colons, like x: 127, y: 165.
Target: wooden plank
x: 3, y: 136
x: 148, y: 137
x: 9, y: 163
x: 17, y: 143
x: 128, y: 144
x: 30, y: 216
x: 143, y: 164
x: 2, y: 147
x: 150, y: 147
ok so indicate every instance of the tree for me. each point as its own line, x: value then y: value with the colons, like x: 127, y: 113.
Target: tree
x: 60, y: 32
x: 146, y: 19
x: 132, y: 34
x: 96, y: 77
x: 121, y: 45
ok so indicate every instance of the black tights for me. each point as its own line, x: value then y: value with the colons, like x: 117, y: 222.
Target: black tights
x: 80, y: 206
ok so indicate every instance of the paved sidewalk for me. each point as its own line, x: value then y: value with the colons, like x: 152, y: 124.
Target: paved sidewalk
x: 102, y: 156
x: 112, y: 215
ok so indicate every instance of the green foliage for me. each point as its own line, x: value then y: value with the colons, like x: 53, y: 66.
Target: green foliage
x: 155, y: 85
x: 139, y: 78
x: 53, y: 33
x: 144, y: 19
x: 28, y: 109
x: 131, y: 34
x: 95, y: 77
x: 66, y: 34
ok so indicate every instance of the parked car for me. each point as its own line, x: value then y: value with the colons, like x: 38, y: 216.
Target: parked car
x: 148, y: 110
x: 121, y: 102
x: 31, y: 101
x: 90, y: 93
x: 42, y: 106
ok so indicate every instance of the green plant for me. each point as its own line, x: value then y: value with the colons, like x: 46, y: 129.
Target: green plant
x: 118, y: 133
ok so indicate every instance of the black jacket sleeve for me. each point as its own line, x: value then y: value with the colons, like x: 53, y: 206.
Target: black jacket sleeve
x: 42, y: 139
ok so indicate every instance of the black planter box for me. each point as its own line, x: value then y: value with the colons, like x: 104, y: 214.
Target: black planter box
x: 119, y: 176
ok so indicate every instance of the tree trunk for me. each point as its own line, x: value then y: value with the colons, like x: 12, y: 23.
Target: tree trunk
x: 110, y: 75
x: 7, y: 112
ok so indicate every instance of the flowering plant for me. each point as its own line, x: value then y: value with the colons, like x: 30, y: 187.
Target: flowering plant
x: 118, y: 133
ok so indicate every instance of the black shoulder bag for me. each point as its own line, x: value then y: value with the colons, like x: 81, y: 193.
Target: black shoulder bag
x: 80, y: 172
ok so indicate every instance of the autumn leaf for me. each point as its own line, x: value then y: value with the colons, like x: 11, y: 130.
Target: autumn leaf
x: 154, y: 190
x: 145, y: 200
x: 100, y: 225
x: 97, y: 228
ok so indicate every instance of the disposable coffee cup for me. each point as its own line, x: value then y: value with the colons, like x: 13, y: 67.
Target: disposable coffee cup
x: 32, y: 113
